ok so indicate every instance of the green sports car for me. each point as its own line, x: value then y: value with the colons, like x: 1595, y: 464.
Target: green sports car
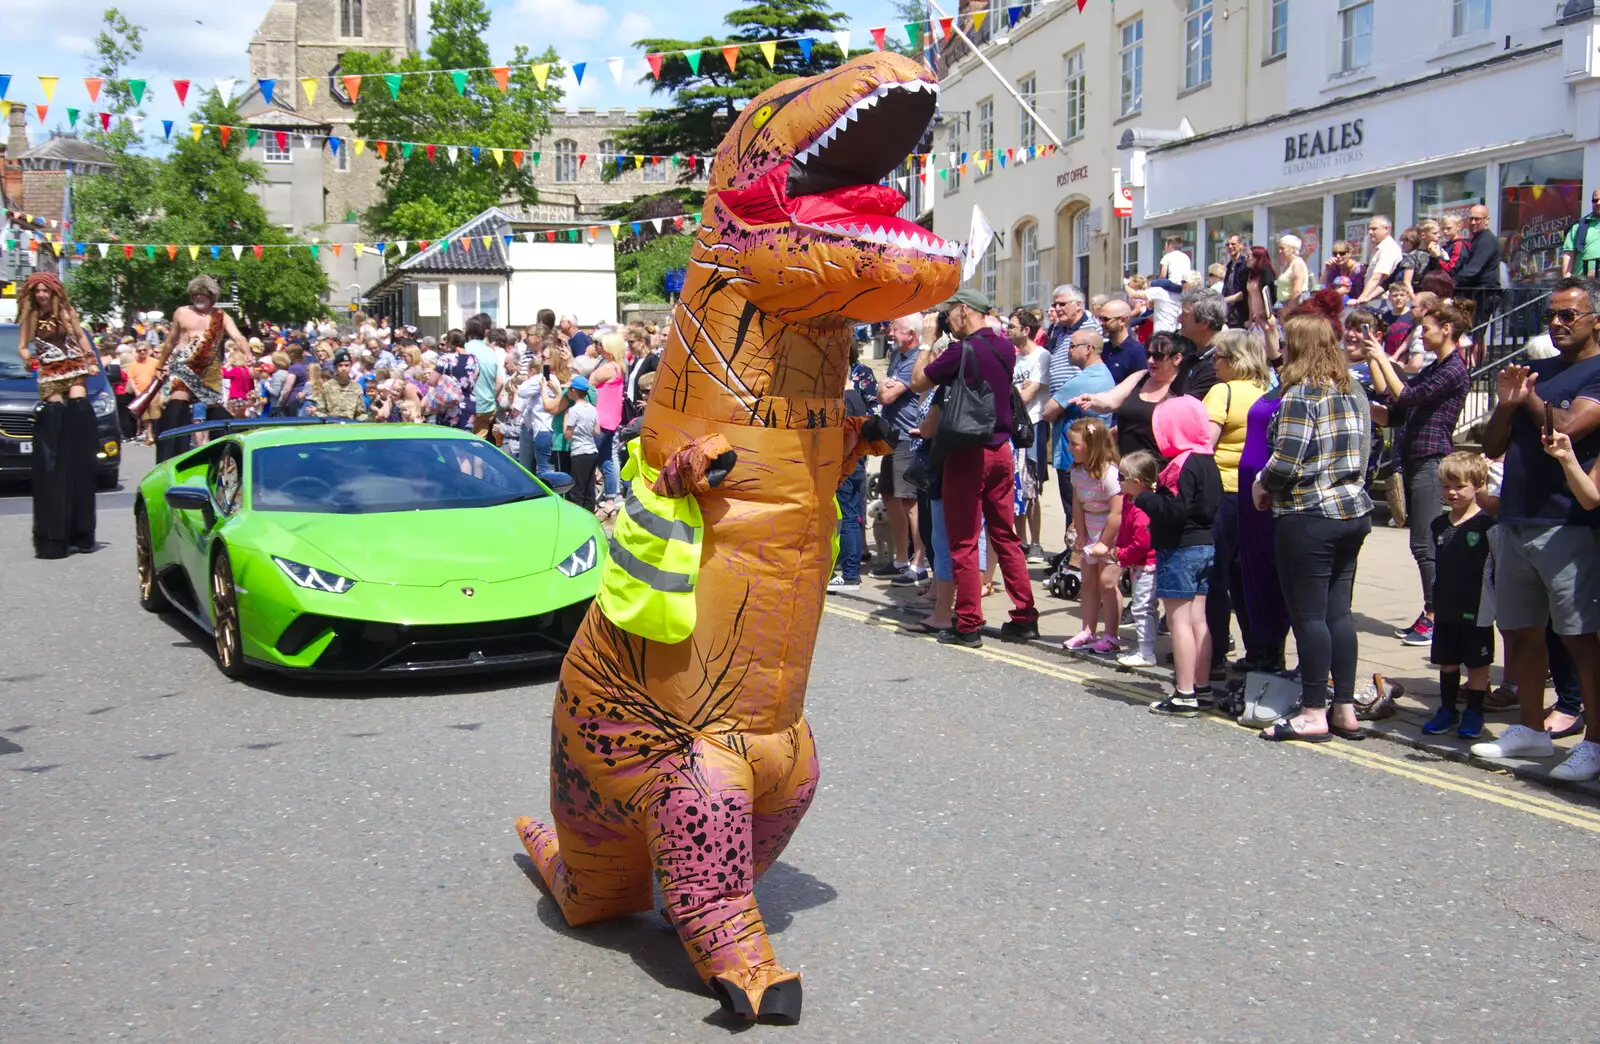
x: 368, y: 550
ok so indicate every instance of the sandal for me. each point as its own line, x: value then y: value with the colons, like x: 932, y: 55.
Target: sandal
x: 921, y: 627
x: 1283, y: 732
x: 1355, y: 735
x: 987, y: 589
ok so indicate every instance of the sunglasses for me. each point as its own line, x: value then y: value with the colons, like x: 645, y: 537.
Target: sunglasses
x: 1564, y: 316
x: 1341, y: 253
x: 1163, y: 355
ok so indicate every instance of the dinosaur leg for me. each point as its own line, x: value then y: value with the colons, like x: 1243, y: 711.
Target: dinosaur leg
x: 779, y: 809
x: 702, y: 838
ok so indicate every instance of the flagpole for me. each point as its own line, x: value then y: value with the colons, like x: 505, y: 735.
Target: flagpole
x: 955, y: 24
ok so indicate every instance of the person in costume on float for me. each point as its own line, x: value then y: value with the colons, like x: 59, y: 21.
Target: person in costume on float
x: 191, y: 358
x: 680, y: 753
x: 64, y: 435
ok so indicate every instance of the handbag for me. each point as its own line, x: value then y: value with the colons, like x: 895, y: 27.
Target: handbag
x: 1268, y: 697
x: 1021, y: 426
x: 968, y: 413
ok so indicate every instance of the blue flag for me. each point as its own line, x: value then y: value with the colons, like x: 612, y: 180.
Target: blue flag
x: 266, y: 89
x: 166, y: 129
x: 5, y: 84
x: 805, y: 48
x: 577, y: 71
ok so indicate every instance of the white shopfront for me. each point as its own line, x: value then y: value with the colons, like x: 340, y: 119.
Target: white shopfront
x: 1514, y: 133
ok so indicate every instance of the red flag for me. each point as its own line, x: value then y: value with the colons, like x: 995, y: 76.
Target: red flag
x: 256, y: 248
x: 41, y: 110
x: 516, y: 157
x: 226, y: 133
x: 731, y: 56
x: 944, y: 27
x: 105, y: 121
x: 677, y: 222
x: 422, y: 244
x: 581, y: 157
x: 352, y: 87
x: 127, y: 251
x: 182, y: 87
x: 282, y: 140
x: 551, y: 236
x: 429, y: 149
x: 172, y: 252
x: 655, y: 64
x: 1081, y: 5
x: 877, y: 37
x: 383, y: 150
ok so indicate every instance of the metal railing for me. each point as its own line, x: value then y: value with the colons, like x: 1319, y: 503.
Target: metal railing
x: 1515, y: 316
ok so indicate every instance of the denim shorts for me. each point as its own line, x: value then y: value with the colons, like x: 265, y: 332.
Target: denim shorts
x: 1184, y: 572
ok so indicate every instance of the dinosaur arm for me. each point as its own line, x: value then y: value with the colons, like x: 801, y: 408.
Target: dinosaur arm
x: 695, y: 468
x: 866, y: 437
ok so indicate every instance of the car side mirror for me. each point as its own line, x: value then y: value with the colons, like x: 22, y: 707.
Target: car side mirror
x: 558, y: 481
x: 192, y: 498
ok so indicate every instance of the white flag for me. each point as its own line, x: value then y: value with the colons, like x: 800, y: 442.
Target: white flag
x: 104, y: 247
x: 225, y: 89
x: 452, y: 152
x: 977, y: 243
x: 616, y: 68
x: 237, y: 250
x: 403, y: 245
x: 842, y: 38
x: 656, y: 222
x: 138, y: 123
x: 528, y: 236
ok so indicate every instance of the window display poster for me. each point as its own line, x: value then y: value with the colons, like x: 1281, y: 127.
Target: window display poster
x: 1533, y: 222
x: 428, y: 300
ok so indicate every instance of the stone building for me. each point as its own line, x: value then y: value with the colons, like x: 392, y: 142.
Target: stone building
x: 580, y: 144
x: 34, y: 178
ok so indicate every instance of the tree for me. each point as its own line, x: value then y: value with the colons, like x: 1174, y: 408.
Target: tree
x: 425, y: 200
x: 641, y: 273
x: 706, y: 101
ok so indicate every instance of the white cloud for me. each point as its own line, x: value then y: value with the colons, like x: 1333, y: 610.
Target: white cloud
x: 557, y: 19
x: 634, y: 26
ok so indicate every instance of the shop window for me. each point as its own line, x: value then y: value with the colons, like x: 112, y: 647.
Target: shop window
x: 1454, y: 193
x: 1218, y: 229
x: 1468, y: 17
x: 1304, y: 221
x: 1355, y: 34
x: 1278, y: 29
x: 1130, y: 248
x: 566, y: 151
x: 1028, y: 88
x: 1185, y: 235
x: 1132, y: 63
x: 1539, y: 199
x: 1028, y: 265
x: 473, y: 297
x: 1077, y: 95
x: 1197, y: 45
x: 1352, y: 211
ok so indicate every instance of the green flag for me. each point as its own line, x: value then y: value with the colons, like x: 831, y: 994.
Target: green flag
x: 72, y: 117
x: 251, y: 135
x: 313, y: 250
x: 137, y: 87
x: 149, y: 252
x: 393, y: 81
x: 914, y: 34
x: 694, y: 61
x: 405, y: 150
x: 459, y: 78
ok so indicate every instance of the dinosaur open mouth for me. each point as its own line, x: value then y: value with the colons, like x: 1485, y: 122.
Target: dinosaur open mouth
x: 831, y: 184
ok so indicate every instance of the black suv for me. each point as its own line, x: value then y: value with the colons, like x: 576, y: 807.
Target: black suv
x: 19, y: 400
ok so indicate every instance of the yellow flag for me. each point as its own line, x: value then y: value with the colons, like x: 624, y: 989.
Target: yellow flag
x: 541, y: 73
x: 49, y: 85
x: 195, y: 129
x: 486, y: 241
x: 982, y: 165
x: 769, y: 51
x: 194, y: 253
x: 977, y: 19
x: 638, y: 161
x: 5, y: 111
x: 309, y: 85
x: 1538, y: 191
x: 360, y: 249
x: 499, y: 157
x: 361, y: 146
x: 616, y: 231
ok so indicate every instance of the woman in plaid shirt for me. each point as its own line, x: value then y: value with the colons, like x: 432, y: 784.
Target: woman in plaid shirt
x: 1314, y: 483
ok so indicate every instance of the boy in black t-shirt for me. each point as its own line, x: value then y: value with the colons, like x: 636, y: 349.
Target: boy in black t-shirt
x: 1463, y: 595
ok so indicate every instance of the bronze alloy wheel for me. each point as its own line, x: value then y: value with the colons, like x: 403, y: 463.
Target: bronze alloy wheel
x: 151, y: 596
x: 225, y: 617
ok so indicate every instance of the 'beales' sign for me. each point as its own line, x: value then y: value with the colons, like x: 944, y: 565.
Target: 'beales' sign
x: 1324, y: 148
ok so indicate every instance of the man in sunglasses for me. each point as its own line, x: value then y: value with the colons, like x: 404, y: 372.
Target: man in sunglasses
x: 1545, y: 562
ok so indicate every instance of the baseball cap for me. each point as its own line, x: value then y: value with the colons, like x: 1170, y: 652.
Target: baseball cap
x: 579, y: 383
x: 974, y: 299
x: 429, y: 341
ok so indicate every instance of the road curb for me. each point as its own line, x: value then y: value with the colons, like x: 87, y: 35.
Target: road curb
x: 1527, y: 771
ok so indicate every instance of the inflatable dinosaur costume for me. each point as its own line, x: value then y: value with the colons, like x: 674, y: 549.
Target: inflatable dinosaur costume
x: 691, y: 757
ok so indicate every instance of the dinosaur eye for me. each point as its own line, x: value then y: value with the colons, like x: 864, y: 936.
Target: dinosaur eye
x: 761, y: 117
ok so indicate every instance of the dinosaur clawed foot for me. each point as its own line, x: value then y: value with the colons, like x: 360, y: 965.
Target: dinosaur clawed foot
x: 766, y: 994
x: 540, y: 843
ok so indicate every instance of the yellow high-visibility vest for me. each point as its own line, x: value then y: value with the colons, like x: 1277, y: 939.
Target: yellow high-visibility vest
x: 647, y: 585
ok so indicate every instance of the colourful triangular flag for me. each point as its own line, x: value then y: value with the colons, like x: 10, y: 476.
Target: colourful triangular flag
x: 805, y: 48
x: 769, y: 51
x: 654, y: 62
x: 541, y: 73
x: 225, y: 89
x: 914, y: 35
x: 841, y: 40
x: 337, y: 248
x: 224, y: 133
x: 429, y: 149
x: 72, y: 117
x: 502, y: 78
x: 405, y: 150
x: 48, y: 84
x: 392, y: 81
x: 577, y: 71
x: 474, y: 154
x: 352, y: 87
x: 195, y: 130
x: 172, y: 252
x: 309, y: 85
x: 383, y: 150
x: 92, y: 85
x: 194, y: 253
x: 693, y: 58
x: 149, y: 252
x: 499, y: 157
x: 237, y: 251
x: 945, y: 24
x: 459, y: 78
x: 1013, y: 13
x: 42, y: 110
x: 266, y: 89
x: 731, y: 56
x: 181, y: 87
x: 255, y: 248
x: 615, y: 65
x: 978, y: 18
x: 5, y: 84
x: 216, y: 252
x: 251, y: 136
x: 103, y: 248
x: 359, y: 145
x: 877, y: 36
x: 136, y: 88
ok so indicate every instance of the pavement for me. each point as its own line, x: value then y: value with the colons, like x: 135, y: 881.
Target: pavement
x: 1005, y: 846
x: 1388, y: 595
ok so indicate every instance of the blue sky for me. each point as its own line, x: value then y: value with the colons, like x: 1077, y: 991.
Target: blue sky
x: 205, y: 42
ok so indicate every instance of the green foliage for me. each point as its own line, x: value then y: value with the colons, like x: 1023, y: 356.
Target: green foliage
x: 704, y: 102
x: 423, y: 200
x: 200, y: 194
x: 641, y: 274
x: 658, y: 204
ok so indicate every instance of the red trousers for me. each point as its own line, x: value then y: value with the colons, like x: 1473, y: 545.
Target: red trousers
x: 978, y: 488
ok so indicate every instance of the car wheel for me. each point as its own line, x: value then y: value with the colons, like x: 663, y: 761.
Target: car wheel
x: 225, y: 617
x: 151, y: 597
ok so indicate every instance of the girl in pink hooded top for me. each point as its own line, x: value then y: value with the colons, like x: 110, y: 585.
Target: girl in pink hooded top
x: 1181, y: 509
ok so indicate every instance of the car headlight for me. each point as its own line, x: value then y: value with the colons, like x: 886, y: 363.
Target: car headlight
x: 581, y: 560
x: 314, y: 579
x: 105, y: 404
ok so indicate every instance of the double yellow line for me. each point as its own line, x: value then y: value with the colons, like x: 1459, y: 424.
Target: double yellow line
x: 1568, y: 813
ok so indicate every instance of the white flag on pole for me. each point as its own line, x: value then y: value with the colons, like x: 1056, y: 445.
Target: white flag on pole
x: 978, y: 242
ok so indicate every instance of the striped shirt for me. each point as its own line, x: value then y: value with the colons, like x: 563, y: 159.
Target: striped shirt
x: 1318, y: 463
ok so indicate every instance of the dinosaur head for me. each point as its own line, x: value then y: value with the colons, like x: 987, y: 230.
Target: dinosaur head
x: 796, y: 217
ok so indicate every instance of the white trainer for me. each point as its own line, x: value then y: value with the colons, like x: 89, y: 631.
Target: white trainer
x: 1582, y: 764
x: 1136, y: 659
x: 1518, y: 741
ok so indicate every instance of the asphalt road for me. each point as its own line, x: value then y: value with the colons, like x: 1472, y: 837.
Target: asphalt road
x: 1003, y: 848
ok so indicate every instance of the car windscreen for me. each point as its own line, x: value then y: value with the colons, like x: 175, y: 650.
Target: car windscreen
x: 366, y: 476
x: 10, y: 362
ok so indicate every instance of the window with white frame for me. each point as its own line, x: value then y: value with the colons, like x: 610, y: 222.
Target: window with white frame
x: 1132, y: 62
x: 1197, y: 45
x: 1278, y: 29
x: 608, y: 149
x: 1077, y: 95
x: 1130, y: 248
x: 655, y: 169
x: 350, y: 17
x: 1028, y: 88
x: 1469, y: 16
x: 475, y: 297
x: 1028, y: 265
x: 988, y: 273
x: 952, y: 179
x: 566, y: 151
x: 1082, y: 237
x: 986, y: 125
x: 272, y: 152
x: 1355, y: 34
